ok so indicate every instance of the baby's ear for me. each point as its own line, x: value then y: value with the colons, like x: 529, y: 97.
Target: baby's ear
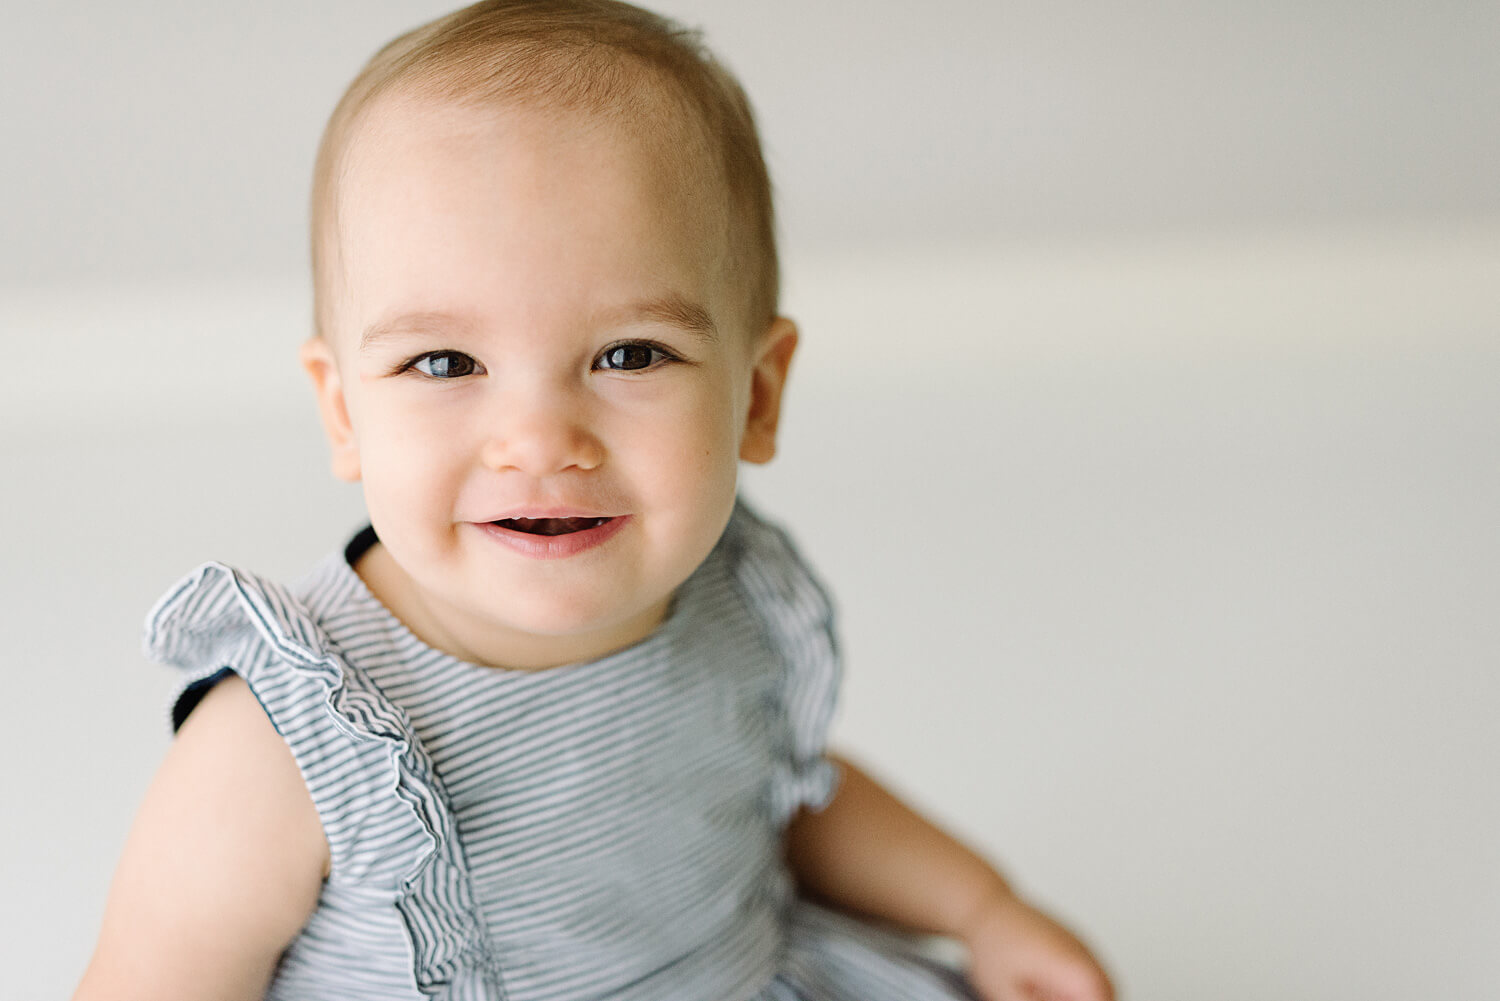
x: 772, y: 360
x: 322, y: 367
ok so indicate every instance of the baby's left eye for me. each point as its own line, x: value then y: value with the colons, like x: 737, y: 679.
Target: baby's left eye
x: 632, y: 357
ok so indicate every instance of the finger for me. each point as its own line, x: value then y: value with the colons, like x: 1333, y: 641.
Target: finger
x: 1071, y: 979
x: 1082, y: 982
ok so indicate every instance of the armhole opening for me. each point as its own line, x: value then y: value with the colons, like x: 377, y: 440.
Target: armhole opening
x: 193, y: 694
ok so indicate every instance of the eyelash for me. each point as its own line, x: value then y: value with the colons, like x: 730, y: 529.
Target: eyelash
x: 663, y: 355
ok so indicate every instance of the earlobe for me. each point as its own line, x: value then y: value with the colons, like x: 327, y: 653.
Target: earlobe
x: 322, y: 368
x: 773, y: 359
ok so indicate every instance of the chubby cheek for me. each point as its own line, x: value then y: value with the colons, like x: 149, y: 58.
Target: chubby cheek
x: 683, y: 462
x: 411, y: 472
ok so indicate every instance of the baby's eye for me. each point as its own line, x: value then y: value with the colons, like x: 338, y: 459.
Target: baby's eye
x: 446, y: 365
x: 632, y: 357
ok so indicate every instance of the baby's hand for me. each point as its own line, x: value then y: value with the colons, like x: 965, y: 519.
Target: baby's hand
x: 1017, y: 953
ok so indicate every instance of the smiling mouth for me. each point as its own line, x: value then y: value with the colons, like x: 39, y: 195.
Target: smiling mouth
x: 551, y: 526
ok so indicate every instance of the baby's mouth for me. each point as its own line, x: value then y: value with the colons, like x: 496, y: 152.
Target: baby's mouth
x: 551, y: 526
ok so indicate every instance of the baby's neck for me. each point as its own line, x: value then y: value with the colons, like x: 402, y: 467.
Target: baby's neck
x: 493, y: 645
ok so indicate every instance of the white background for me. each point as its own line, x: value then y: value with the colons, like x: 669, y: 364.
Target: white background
x: 1146, y: 431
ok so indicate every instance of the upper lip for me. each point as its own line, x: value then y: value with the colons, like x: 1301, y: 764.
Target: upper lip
x: 539, y: 513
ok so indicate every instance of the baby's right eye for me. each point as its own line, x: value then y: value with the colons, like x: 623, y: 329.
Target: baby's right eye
x: 446, y: 365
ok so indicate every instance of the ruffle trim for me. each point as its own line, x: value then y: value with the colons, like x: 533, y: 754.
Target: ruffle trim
x: 798, y: 616
x: 345, y: 736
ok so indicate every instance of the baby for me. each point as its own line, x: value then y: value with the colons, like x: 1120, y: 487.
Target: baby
x: 553, y: 726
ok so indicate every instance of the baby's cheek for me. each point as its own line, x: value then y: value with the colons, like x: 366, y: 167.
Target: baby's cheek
x: 406, y: 474
x: 703, y: 458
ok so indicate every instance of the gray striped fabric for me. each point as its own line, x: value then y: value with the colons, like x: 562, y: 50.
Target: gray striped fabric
x: 603, y: 830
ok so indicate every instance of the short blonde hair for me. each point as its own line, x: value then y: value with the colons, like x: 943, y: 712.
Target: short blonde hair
x: 602, y: 57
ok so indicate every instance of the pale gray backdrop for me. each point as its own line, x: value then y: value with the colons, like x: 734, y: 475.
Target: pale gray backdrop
x: 1146, y: 430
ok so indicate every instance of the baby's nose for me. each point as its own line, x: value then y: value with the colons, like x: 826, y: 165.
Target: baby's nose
x: 542, y: 435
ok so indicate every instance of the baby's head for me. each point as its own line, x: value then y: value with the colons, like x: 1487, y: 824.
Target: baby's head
x: 545, y: 283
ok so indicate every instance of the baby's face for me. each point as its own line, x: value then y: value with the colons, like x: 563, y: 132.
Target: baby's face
x: 537, y: 370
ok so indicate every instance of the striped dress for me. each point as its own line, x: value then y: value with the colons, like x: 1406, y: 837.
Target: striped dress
x: 603, y: 830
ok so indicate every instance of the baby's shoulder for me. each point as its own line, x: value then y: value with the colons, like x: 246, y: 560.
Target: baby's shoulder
x: 297, y: 650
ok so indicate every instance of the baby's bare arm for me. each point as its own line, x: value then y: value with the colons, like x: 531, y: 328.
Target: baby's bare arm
x: 221, y: 870
x: 870, y: 853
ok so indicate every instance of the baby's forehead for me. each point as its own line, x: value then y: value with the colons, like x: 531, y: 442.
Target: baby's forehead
x: 401, y: 133
x: 426, y: 172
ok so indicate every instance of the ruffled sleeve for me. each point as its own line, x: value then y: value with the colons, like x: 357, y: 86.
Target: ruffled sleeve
x: 390, y: 833
x: 799, y: 621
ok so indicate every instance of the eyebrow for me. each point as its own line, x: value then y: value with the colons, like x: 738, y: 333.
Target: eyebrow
x: 424, y: 321
x: 672, y: 309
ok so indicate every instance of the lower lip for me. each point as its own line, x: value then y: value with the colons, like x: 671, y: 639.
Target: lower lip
x: 554, y: 547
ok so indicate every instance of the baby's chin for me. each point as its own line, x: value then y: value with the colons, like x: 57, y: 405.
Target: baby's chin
x: 547, y: 631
